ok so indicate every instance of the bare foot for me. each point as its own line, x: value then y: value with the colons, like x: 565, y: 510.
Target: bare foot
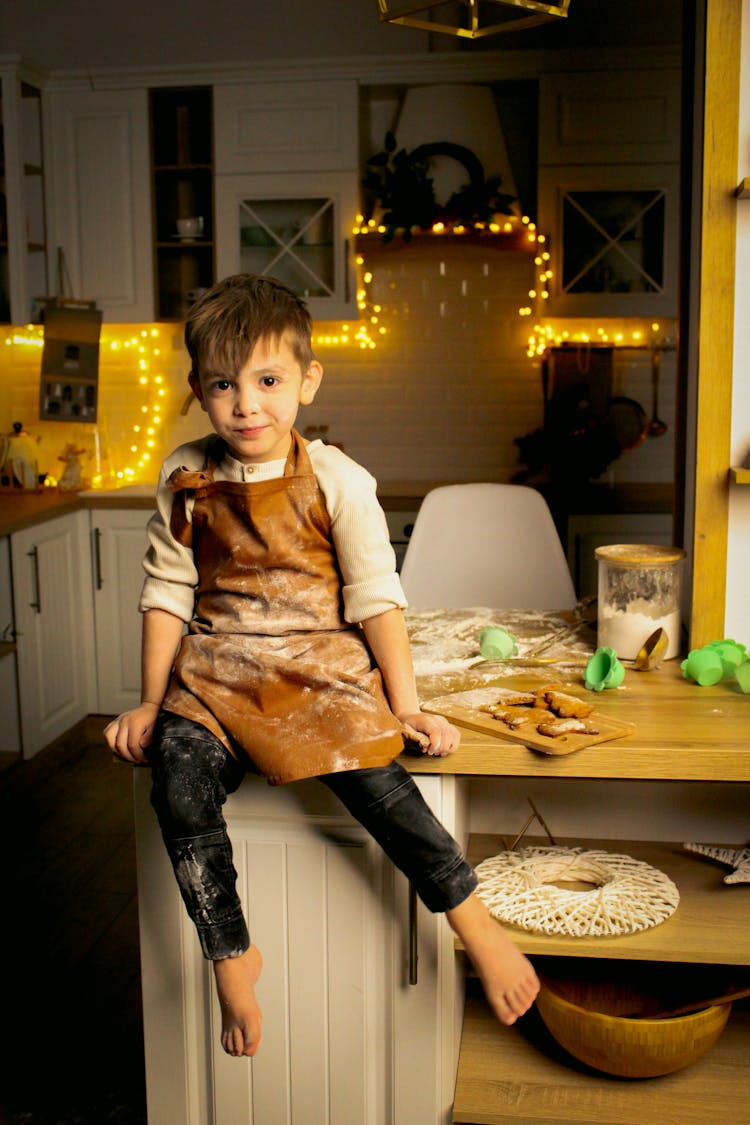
x: 241, y: 1017
x: 508, y: 978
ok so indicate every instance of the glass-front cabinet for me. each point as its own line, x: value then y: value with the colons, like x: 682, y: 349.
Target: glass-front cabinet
x: 23, y: 225
x: 613, y: 240
x: 295, y: 227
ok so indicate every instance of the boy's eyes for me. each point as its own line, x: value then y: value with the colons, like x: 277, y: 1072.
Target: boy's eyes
x: 223, y: 384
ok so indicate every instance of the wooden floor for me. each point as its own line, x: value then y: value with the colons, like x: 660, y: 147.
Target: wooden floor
x: 71, y: 1040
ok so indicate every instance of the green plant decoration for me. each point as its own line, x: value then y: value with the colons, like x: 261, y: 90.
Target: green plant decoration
x: 399, y: 182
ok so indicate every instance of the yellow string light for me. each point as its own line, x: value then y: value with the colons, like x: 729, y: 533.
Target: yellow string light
x: 152, y: 382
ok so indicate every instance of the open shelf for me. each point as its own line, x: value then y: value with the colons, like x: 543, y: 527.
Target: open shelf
x: 711, y: 925
x: 521, y: 1074
x: 182, y: 187
x: 740, y: 475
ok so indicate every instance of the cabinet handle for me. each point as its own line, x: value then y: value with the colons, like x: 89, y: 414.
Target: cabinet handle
x: 97, y: 557
x: 413, y: 935
x: 33, y: 555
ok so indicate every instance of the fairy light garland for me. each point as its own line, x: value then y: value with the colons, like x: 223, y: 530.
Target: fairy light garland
x: 144, y: 346
x: 146, y: 432
x: 615, y: 335
x: 547, y: 333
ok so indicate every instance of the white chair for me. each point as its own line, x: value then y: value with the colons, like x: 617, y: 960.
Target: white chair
x: 492, y: 545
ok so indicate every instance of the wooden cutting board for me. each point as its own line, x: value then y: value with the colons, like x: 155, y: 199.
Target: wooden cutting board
x: 463, y: 709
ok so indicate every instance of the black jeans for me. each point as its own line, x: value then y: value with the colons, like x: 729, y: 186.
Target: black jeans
x: 192, y: 776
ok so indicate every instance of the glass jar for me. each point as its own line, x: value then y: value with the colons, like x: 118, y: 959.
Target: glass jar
x: 639, y: 591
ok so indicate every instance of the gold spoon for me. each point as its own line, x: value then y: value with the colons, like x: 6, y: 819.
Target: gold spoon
x: 651, y: 652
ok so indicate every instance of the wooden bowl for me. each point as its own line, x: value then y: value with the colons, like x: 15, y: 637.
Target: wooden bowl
x: 579, y: 1014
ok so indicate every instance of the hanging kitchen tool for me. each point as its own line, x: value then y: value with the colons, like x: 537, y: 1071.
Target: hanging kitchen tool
x: 657, y: 426
x: 628, y: 421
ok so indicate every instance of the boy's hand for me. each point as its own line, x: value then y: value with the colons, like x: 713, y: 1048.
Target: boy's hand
x: 432, y: 733
x: 129, y: 734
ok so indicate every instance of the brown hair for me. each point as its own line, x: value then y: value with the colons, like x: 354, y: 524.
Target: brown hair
x: 225, y: 324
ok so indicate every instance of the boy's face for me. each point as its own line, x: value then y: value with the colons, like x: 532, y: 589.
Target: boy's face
x: 254, y: 409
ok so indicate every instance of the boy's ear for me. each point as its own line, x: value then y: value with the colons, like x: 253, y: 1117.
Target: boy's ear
x: 310, y: 383
x: 195, y: 387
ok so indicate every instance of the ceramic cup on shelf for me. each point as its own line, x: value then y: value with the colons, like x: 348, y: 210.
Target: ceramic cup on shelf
x: 191, y: 227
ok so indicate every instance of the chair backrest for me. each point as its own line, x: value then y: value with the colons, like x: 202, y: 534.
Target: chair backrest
x: 490, y: 545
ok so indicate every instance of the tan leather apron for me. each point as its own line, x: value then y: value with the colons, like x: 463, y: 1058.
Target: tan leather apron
x: 269, y: 664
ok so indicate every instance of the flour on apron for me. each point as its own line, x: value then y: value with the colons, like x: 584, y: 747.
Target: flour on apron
x: 270, y: 665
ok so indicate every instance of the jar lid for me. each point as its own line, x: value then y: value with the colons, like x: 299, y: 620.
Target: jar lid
x: 639, y: 554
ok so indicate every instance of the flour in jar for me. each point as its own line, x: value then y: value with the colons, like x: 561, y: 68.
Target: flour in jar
x: 625, y: 630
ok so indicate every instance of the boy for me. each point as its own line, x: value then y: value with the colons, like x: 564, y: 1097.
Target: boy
x: 297, y: 662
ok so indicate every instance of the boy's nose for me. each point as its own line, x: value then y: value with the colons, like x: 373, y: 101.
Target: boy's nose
x: 246, y: 401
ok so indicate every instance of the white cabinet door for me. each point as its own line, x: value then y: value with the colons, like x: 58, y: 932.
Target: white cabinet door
x: 346, y: 1039
x: 119, y: 544
x: 427, y: 1016
x: 286, y: 126
x: 294, y: 227
x: 609, y: 191
x: 102, y: 206
x: 614, y: 233
x: 54, y: 626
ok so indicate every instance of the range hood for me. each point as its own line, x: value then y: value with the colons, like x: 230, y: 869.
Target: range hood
x: 460, y: 114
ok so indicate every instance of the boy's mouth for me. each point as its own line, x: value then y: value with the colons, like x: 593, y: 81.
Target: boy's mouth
x: 250, y: 431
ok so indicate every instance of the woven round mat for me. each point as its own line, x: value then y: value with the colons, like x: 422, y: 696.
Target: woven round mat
x: 628, y: 895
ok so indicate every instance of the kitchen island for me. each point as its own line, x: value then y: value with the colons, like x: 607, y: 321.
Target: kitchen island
x: 347, y: 1037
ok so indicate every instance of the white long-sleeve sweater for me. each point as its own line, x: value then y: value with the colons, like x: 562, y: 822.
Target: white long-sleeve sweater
x: 358, y: 529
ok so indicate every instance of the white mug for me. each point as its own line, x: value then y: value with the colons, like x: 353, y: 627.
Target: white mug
x: 191, y: 227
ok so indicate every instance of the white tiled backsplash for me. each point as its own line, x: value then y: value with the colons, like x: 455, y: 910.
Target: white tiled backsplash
x: 441, y: 397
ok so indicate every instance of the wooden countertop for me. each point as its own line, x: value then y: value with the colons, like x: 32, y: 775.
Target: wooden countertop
x: 24, y: 509
x: 682, y: 731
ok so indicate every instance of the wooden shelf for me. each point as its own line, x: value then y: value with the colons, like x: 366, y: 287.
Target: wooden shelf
x: 514, y: 240
x: 711, y: 925
x: 740, y: 475
x: 521, y: 1074
x: 742, y: 191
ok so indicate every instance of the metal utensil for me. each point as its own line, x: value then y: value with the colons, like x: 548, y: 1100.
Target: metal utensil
x: 651, y: 652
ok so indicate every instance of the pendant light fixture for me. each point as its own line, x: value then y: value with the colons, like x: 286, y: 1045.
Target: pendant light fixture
x: 472, y: 19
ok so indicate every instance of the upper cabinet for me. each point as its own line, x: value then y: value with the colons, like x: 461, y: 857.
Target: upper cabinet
x: 23, y: 224
x: 297, y: 229
x: 286, y: 126
x: 102, y: 203
x: 609, y: 191
x: 137, y: 172
x: 287, y: 189
x: 183, y: 187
